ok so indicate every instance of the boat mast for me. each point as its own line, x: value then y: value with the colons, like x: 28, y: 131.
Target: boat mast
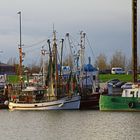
x: 43, y: 52
x: 134, y: 39
x: 82, y: 53
x: 61, y: 61
x: 71, y: 53
x: 60, y: 85
x: 50, y: 70
x: 55, y: 59
x: 73, y: 69
x: 82, y: 47
x: 20, y: 52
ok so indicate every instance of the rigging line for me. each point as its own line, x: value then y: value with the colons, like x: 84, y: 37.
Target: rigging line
x: 90, y: 47
x: 33, y: 49
x: 58, y: 55
x: 59, y: 45
x: 35, y: 61
x: 71, y: 44
x: 74, y: 40
x: 65, y: 46
x: 26, y: 46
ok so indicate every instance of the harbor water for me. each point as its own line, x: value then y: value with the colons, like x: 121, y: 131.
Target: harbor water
x: 69, y: 125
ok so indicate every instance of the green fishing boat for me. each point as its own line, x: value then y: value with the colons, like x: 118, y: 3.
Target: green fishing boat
x: 128, y: 101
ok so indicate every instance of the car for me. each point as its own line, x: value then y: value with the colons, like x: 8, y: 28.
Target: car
x: 119, y: 84
x: 127, y: 85
x: 117, y: 70
x: 113, y: 81
x: 129, y: 72
x: 105, y: 71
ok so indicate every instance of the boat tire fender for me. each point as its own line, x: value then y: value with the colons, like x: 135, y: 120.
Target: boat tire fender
x: 131, y: 104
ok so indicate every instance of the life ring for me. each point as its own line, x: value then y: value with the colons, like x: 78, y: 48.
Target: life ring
x: 6, y: 102
x: 131, y: 104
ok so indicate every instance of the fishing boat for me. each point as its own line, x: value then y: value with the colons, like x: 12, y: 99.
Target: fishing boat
x: 89, y: 87
x: 130, y: 96
x: 3, y: 102
x: 128, y: 101
x: 87, y: 76
x: 33, y: 98
x: 52, y: 96
x: 3, y: 93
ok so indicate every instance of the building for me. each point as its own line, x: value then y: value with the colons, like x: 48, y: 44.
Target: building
x: 6, y: 69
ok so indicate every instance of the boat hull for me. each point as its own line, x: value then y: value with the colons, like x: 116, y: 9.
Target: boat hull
x: 3, y: 102
x: 90, y: 101
x: 62, y: 104
x: 3, y: 106
x: 118, y: 103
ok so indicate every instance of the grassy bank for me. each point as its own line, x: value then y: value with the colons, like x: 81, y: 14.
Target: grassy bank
x: 13, y: 79
x: 103, y: 77
x: 122, y: 77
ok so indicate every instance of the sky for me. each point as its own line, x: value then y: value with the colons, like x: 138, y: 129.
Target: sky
x: 107, y: 24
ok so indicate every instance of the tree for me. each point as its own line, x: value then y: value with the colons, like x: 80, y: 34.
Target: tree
x: 129, y: 64
x: 13, y: 62
x: 118, y: 60
x: 101, y: 62
x: 34, y: 68
x: 68, y: 61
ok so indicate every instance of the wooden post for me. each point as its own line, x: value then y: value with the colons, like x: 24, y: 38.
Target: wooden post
x: 134, y: 39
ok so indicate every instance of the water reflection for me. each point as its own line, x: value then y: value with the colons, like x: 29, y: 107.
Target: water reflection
x: 69, y: 125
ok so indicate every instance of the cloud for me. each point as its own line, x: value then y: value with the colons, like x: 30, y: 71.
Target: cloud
x: 107, y: 23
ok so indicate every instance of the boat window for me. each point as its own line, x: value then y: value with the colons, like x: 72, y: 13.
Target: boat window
x: 35, y: 92
x: 137, y: 94
x: 94, y: 77
x: 42, y: 91
x: 132, y: 93
x: 125, y: 93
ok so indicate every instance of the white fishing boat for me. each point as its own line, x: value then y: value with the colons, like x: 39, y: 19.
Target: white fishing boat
x: 55, y: 97
x: 33, y: 98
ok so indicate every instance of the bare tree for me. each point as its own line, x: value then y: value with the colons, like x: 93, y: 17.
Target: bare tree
x: 68, y: 61
x: 101, y: 62
x: 34, y: 68
x: 118, y: 60
x: 12, y: 61
x: 129, y: 64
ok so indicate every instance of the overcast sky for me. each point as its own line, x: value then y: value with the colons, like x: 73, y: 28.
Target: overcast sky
x: 107, y: 24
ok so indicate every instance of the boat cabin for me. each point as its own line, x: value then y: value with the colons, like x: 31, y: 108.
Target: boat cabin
x: 132, y: 92
x: 89, y: 77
